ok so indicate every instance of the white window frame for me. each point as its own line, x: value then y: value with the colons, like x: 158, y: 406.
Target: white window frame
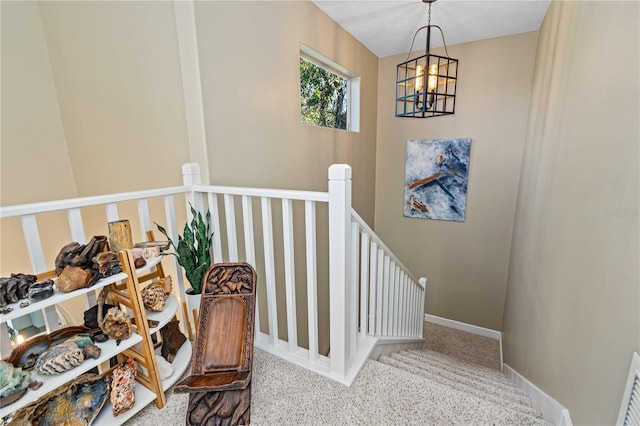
x: 353, y: 84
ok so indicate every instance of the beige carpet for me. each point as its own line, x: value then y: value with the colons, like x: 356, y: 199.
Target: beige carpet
x: 462, y: 345
x: 285, y: 394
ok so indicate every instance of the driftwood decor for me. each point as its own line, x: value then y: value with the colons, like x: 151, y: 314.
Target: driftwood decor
x: 120, y: 235
x: 220, y: 381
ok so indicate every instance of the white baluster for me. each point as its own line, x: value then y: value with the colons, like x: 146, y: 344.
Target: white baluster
x: 269, y: 269
x: 289, y: 274
x: 230, y: 219
x: 312, y: 278
x: 364, y: 284
x: 215, y: 225
x: 250, y: 245
x: 373, y: 289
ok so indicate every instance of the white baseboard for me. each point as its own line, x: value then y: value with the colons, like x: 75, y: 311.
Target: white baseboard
x: 552, y: 410
x: 469, y: 328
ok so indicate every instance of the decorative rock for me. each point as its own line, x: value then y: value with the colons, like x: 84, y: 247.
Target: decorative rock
x: 75, y: 254
x: 100, y: 338
x: 136, y: 252
x: 15, y: 287
x: 13, y: 381
x: 153, y: 297
x: 75, y: 403
x: 91, y: 351
x: 123, y: 387
x: 116, y: 324
x: 41, y: 291
x: 150, y: 252
x: 165, y: 369
x: 91, y: 315
x: 59, y: 358
x: 172, y: 340
x: 107, y: 263
x: 140, y: 262
x: 73, y: 278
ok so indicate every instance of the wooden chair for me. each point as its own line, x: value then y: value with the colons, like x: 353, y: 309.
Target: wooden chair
x: 220, y: 381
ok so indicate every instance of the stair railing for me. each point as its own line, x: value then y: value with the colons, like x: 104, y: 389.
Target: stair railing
x: 303, y: 243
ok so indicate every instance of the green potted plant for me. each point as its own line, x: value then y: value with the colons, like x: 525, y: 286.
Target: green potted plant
x: 193, y: 250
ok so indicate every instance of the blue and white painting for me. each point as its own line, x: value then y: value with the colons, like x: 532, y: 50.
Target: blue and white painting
x: 436, y: 176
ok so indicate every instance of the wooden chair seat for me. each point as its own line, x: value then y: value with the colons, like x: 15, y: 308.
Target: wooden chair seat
x: 220, y: 381
x: 229, y: 380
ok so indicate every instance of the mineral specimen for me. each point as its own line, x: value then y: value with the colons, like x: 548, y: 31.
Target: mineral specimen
x: 116, y: 324
x: 172, y: 340
x: 139, y: 262
x: 76, y: 254
x: 153, y: 297
x: 41, y: 291
x: 73, y: 277
x: 75, y: 403
x: 13, y: 383
x: 107, y: 263
x: 59, y: 358
x: 15, y: 287
x: 91, y: 315
x: 123, y: 387
x: 91, y: 351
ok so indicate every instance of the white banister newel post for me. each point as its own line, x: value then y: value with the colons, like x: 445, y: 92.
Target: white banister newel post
x: 339, y: 254
x: 423, y: 283
x: 190, y: 177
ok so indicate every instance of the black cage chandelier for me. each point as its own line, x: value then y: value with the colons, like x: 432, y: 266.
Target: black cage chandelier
x: 426, y: 85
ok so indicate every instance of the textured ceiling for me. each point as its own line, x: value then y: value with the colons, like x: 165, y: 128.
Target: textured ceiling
x: 387, y: 27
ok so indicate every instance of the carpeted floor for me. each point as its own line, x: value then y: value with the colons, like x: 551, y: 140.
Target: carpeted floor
x: 462, y: 345
x: 285, y: 394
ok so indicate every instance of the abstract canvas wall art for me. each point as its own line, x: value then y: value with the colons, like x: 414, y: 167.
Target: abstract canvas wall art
x: 436, y: 176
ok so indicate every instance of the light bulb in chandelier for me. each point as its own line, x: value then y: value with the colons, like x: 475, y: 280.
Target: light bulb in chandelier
x: 419, y: 78
x: 432, y: 81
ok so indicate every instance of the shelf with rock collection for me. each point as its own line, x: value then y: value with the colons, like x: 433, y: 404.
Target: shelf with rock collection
x: 170, y: 355
x: 121, y: 289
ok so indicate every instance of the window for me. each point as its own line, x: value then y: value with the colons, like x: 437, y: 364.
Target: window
x: 328, y: 92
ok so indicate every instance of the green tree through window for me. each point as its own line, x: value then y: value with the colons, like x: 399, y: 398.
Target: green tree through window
x: 323, y: 97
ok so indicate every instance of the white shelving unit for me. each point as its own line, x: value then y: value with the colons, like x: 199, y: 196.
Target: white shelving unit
x: 180, y: 364
x: 57, y: 297
x: 109, y: 349
x: 182, y: 359
x: 49, y: 383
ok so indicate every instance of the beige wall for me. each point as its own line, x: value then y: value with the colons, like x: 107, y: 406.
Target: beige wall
x: 572, y: 313
x: 466, y: 263
x: 117, y: 72
x: 249, y: 57
x: 91, y: 104
x: 111, y: 74
x: 251, y: 87
x: 34, y: 156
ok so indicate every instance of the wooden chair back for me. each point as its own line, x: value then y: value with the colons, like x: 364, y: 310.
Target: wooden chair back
x: 224, y: 337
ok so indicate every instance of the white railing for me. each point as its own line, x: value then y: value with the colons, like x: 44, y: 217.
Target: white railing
x: 324, y: 275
